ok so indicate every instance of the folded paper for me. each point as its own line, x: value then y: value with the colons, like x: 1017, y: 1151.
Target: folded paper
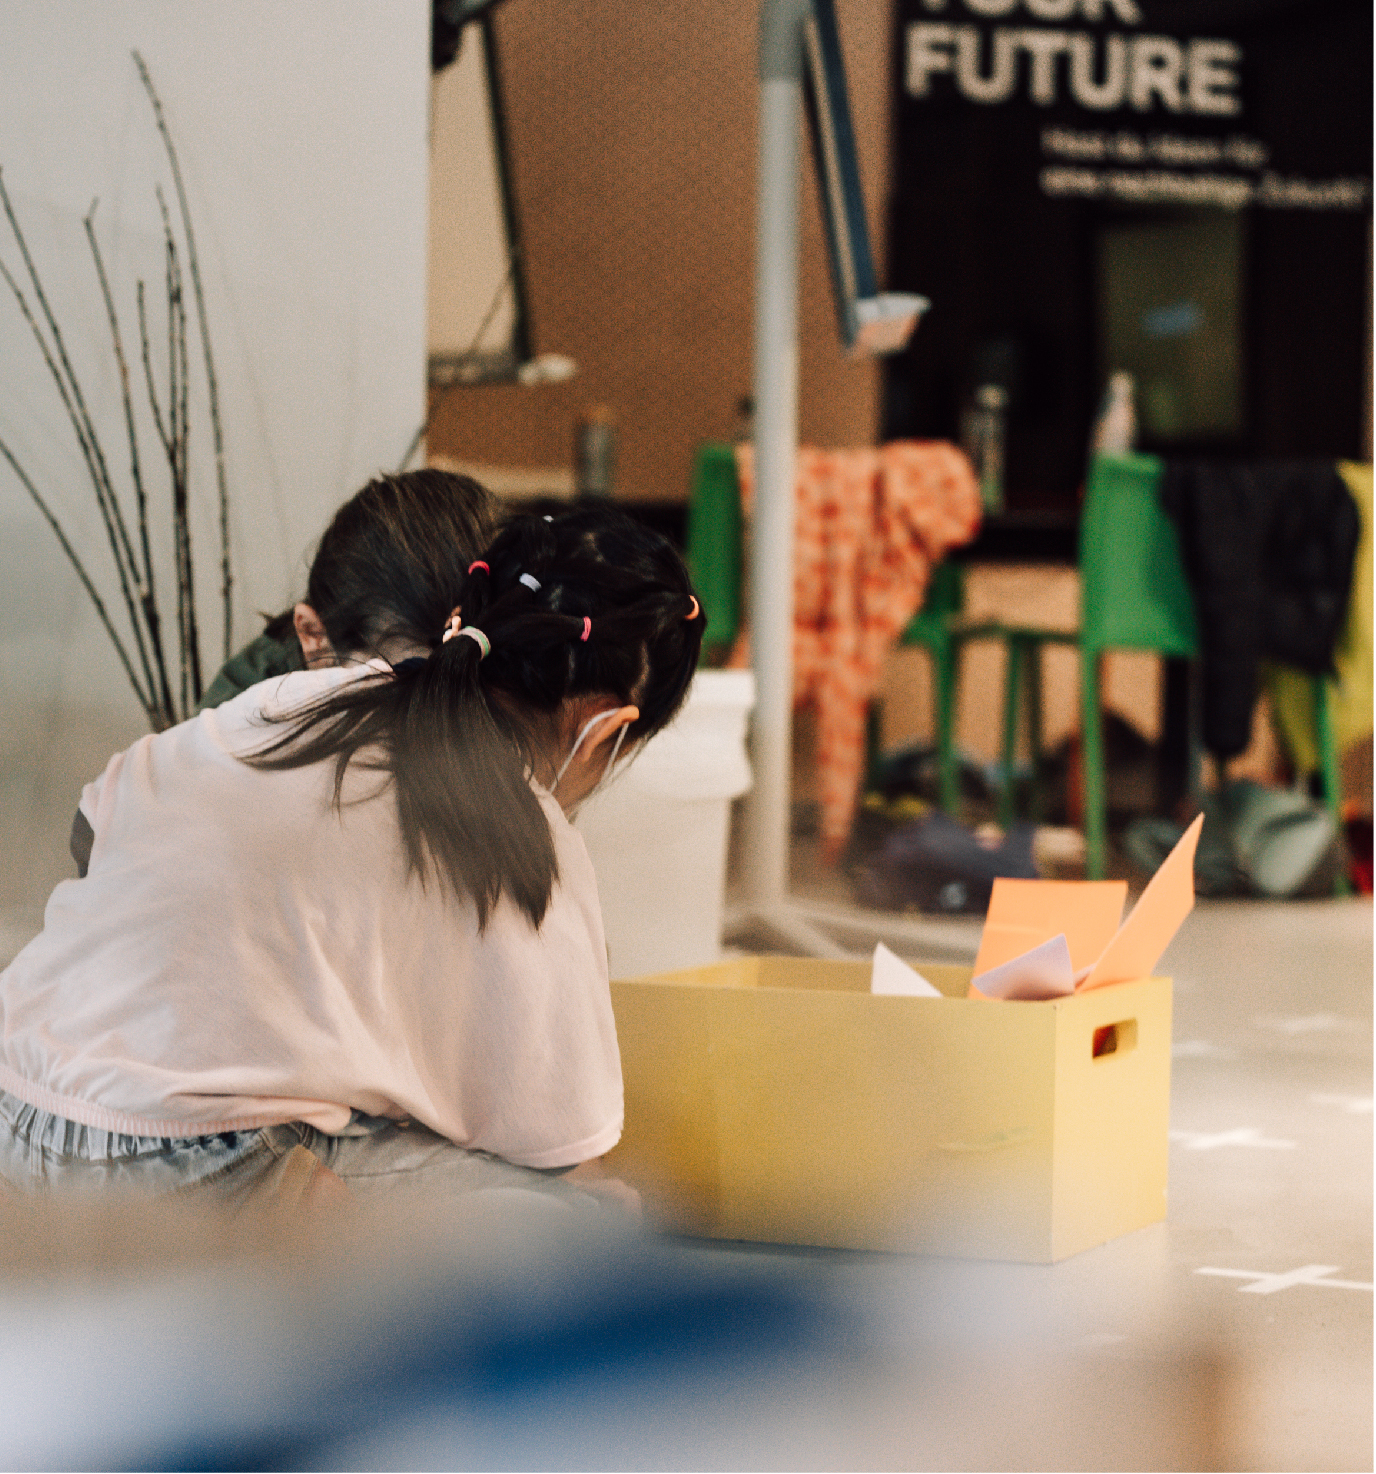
x: 891, y: 975
x: 1044, y: 972
x: 1025, y: 913
x: 1155, y: 919
x: 1038, y: 933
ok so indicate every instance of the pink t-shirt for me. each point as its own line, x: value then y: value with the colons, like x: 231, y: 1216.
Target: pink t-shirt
x: 241, y: 953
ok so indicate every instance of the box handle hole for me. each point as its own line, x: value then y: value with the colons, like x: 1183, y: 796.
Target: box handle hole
x: 1116, y: 1038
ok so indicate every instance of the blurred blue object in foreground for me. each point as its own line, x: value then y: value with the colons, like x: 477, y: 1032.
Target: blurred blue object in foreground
x: 519, y: 1333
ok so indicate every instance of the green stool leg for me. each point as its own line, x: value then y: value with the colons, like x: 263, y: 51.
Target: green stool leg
x: 946, y: 674
x: 1092, y: 767
x: 1328, y: 768
x: 1011, y: 688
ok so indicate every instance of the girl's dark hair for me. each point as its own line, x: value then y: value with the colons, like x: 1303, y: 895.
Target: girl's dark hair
x: 389, y: 552
x: 586, y: 602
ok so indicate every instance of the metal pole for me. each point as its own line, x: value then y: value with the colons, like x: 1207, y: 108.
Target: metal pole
x: 776, y: 441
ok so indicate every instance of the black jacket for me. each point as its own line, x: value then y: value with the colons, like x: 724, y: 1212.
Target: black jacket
x: 1268, y: 547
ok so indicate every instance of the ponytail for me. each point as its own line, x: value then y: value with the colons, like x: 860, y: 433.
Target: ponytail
x: 589, y: 602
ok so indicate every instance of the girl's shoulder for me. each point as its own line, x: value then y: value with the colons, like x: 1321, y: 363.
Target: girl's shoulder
x: 275, y: 698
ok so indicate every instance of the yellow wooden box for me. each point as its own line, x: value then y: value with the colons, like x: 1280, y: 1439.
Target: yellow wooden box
x: 776, y: 1099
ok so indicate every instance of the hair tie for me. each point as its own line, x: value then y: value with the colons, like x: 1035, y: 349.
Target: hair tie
x: 530, y: 581
x: 587, y: 629
x: 475, y: 634
x: 696, y: 609
x: 478, y: 563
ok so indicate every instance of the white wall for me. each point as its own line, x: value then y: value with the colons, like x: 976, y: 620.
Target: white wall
x: 302, y: 134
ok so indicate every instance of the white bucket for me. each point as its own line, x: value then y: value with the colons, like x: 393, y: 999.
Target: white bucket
x: 657, y: 832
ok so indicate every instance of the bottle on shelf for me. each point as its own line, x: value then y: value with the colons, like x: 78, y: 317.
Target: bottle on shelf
x: 983, y: 435
x: 1115, y: 431
x: 595, y: 452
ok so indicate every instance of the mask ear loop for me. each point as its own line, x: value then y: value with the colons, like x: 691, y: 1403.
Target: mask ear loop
x: 582, y: 736
x: 616, y: 750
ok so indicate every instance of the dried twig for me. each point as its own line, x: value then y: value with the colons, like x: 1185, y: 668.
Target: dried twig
x: 193, y: 638
x: 178, y: 419
x: 148, y: 376
x: 69, y: 390
x: 193, y: 262
x: 99, y: 470
x: 145, y: 700
x: 148, y: 592
x: 168, y: 434
x: 135, y: 568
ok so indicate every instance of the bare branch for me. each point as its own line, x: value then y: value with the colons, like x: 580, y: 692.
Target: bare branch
x: 129, y: 579
x: 177, y: 415
x: 193, y: 262
x: 100, y: 471
x: 166, y: 430
x: 148, y: 378
x: 118, y: 342
x: 146, y: 699
x: 147, y: 594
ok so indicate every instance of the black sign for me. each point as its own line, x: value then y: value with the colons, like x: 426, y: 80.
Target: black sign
x: 1178, y: 188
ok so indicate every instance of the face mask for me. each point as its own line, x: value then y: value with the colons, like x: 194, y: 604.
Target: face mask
x: 582, y: 736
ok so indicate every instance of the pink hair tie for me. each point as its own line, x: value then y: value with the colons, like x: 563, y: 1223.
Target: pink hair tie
x: 587, y: 628
x: 696, y: 609
x: 478, y: 563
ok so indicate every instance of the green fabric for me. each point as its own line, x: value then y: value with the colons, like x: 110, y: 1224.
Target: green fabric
x: 1350, y: 696
x: 257, y: 661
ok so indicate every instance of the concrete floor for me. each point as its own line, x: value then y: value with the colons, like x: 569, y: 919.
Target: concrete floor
x: 1237, y: 1334
x: 1263, y: 1267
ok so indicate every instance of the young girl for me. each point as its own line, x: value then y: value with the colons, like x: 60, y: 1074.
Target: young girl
x: 346, y: 910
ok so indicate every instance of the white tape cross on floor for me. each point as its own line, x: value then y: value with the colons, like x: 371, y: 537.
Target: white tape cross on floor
x: 1207, y: 1141
x: 1354, y: 1105
x: 1263, y: 1283
x: 1312, y: 1023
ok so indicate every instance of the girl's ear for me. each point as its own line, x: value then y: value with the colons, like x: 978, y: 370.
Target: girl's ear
x: 586, y: 767
x: 315, y: 643
x: 605, y: 731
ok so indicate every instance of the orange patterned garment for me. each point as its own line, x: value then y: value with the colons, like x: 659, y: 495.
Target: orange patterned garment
x: 871, y: 526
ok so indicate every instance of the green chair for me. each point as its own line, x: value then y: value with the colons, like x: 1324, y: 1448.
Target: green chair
x: 939, y: 628
x: 715, y: 543
x: 1133, y: 596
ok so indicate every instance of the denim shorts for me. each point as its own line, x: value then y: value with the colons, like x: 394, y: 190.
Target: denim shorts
x: 40, y: 1152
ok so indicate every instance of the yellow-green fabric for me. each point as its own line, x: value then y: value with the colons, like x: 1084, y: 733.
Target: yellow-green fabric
x: 1350, y: 695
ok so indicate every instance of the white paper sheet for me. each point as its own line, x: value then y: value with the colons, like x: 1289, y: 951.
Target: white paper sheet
x: 1044, y: 972
x: 891, y: 975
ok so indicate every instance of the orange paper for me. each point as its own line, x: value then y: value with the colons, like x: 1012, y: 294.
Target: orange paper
x: 1145, y: 935
x: 1025, y: 913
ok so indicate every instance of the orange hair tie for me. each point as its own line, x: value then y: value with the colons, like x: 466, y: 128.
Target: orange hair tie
x: 696, y: 609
